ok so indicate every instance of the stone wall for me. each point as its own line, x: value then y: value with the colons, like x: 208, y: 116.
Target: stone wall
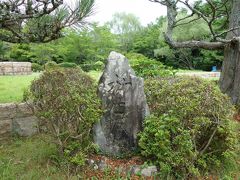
x: 16, y: 119
x: 15, y: 68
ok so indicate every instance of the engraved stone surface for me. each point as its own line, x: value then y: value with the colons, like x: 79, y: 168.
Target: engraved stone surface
x: 124, y: 101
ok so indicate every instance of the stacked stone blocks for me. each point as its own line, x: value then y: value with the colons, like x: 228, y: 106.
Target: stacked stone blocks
x: 17, y: 119
x: 15, y: 68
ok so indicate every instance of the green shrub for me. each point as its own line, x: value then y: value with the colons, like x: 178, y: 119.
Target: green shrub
x: 67, y: 65
x: 93, y: 66
x: 66, y: 104
x: 50, y: 65
x: 87, y: 67
x: 146, y: 67
x: 98, y: 66
x: 190, y: 131
x: 36, y: 67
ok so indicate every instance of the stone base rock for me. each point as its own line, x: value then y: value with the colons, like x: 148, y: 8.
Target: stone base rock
x: 140, y: 170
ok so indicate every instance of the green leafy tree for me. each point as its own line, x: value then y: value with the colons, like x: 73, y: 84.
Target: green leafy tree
x: 103, y: 40
x: 147, y: 39
x: 125, y: 26
x: 88, y: 45
x: 20, y: 52
x: 214, y: 13
x: 187, y: 58
x: 3, y: 50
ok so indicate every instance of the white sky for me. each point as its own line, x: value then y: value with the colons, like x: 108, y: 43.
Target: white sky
x: 146, y: 11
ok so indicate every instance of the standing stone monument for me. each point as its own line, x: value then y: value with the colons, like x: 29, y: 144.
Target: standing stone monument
x: 124, y: 102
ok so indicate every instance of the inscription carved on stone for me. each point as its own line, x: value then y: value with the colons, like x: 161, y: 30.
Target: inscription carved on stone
x: 124, y: 102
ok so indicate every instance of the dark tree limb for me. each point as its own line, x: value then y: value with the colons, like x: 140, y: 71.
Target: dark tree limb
x: 194, y: 44
x: 40, y: 20
x: 216, y: 43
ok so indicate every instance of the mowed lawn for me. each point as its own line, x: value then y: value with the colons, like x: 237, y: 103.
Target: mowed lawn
x: 13, y: 87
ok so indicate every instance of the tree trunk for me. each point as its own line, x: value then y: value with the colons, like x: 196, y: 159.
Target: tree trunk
x: 230, y: 76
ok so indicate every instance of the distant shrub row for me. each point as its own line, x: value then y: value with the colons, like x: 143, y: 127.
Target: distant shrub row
x: 97, y: 66
x: 146, y: 67
x: 37, y: 67
x: 142, y: 65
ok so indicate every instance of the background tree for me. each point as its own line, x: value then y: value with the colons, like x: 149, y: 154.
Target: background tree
x: 3, y: 50
x: 125, y: 26
x: 87, y: 45
x: 40, y: 20
x: 213, y: 12
x: 149, y: 41
x: 146, y: 40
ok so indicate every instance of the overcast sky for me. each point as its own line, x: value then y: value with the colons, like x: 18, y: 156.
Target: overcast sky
x: 146, y: 11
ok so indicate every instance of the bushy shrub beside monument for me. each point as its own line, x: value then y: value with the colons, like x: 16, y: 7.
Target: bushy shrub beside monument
x: 190, y: 131
x: 65, y: 101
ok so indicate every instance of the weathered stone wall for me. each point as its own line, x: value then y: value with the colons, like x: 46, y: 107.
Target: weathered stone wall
x: 16, y: 119
x: 15, y: 68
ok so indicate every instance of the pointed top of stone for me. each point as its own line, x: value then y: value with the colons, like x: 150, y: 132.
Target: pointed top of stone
x: 117, y: 64
x: 115, y: 56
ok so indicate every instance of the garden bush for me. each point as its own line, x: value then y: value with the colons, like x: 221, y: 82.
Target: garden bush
x: 66, y: 104
x: 50, y: 65
x: 67, y: 65
x: 146, y: 67
x: 98, y: 66
x: 93, y: 66
x: 190, y: 132
x: 36, y: 67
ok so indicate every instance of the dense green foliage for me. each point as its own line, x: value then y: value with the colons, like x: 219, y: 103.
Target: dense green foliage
x: 124, y: 34
x: 125, y: 26
x: 190, y: 132
x: 50, y: 65
x: 67, y: 65
x: 146, y: 67
x: 93, y: 66
x: 66, y: 104
x: 36, y: 67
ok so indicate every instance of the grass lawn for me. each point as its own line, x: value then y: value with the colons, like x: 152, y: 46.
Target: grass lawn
x: 29, y: 159
x: 12, y: 87
x: 36, y: 158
